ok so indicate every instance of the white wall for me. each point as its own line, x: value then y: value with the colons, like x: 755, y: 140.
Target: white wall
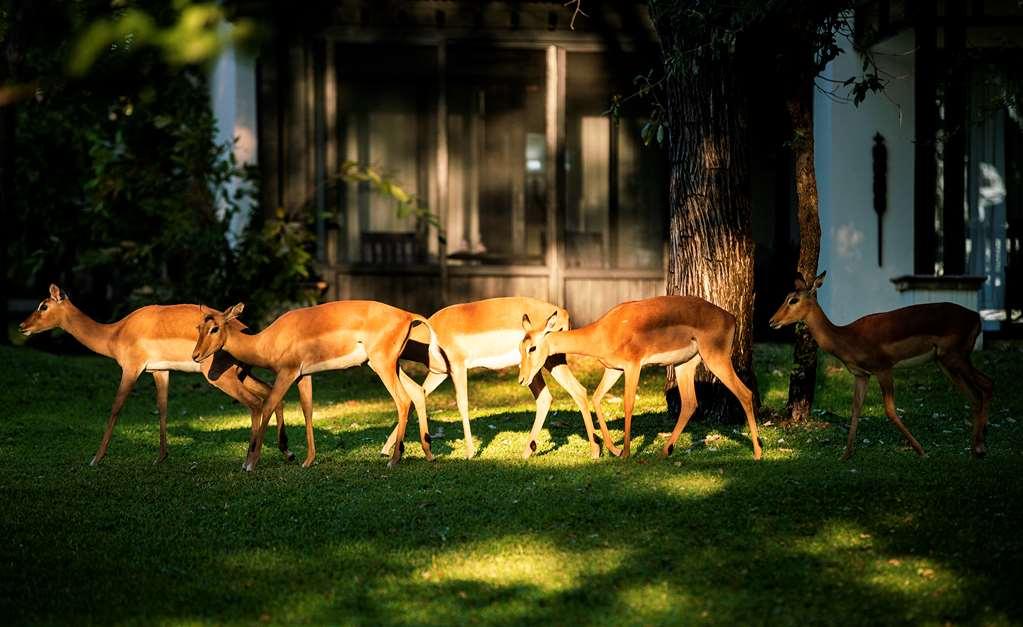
x: 232, y: 85
x: 843, y: 140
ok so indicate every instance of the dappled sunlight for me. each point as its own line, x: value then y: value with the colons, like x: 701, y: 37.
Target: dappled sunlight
x: 531, y: 563
x: 707, y: 534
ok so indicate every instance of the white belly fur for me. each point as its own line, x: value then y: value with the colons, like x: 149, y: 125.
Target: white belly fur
x: 355, y: 358
x: 493, y: 362
x: 177, y: 366
x: 670, y: 358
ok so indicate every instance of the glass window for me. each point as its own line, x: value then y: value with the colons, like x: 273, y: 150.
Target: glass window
x: 497, y: 156
x: 385, y: 99
x: 615, y: 186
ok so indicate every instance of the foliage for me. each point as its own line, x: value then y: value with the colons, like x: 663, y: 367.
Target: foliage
x: 708, y: 536
x: 793, y: 40
x: 124, y: 198
x: 197, y: 33
x: 380, y: 183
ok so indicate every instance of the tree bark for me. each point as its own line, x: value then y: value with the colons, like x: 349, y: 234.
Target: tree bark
x: 711, y: 249
x: 803, y: 379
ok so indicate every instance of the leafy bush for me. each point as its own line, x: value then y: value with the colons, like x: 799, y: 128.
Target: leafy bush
x: 124, y: 198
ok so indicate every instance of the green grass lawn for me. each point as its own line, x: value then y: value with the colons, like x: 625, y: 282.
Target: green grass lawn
x: 707, y: 536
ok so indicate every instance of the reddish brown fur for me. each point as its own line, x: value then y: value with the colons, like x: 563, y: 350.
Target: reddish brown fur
x: 306, y: 340
x: 491, y: 328
x: 152, y: 339
x: 670, y: 330
x: 878, y: 343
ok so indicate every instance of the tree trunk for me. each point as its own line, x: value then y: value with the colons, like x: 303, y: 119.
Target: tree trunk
x: 710, y: 226
x: 803, y: 379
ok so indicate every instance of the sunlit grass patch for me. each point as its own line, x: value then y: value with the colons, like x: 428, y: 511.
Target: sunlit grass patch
x: 704, y: 536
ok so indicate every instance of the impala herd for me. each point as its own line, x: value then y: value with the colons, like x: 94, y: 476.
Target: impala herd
x: 676, y: 331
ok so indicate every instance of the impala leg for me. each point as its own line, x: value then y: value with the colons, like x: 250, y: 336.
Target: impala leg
x: 305, y: 398
x: 685, y: 378
x: 429, y: 385
x: 388, y: 374
x: 721, y: 366
x: 162, y: 380
x: 629, y: 400
x: 459, y: 377
x: 859, y: 393
x: 888, y: 393
x: 542, y: 395
x: 610, y: 377
x: 977, y: 388
x: 128, y: 378
x: 262, y: 390
x: 563, y: 375
x: 418, y: 398
x: 250, y: 391
x: 284, y: 380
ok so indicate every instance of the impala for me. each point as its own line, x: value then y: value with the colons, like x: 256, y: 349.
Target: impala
x: 679, y: 331
x: 878, y: 343
x: 330, y: 336
x: 486, y: 334
x: 154, y: 339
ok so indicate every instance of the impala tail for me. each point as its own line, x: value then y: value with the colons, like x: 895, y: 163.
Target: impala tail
x: 436, y: 360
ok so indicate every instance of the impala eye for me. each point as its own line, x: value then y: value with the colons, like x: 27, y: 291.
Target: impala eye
x: 531, y: 349
x: 793, y: 301
x: 214, y: 330
x: 43, y: 307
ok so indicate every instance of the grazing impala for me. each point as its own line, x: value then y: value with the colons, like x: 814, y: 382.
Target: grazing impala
x: 154, y: 339
x: 679, y: 331
x: 486, y: 334
x: 878, y: 343
x: 331, y: 336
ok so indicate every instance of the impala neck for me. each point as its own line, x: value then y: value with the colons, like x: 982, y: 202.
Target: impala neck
x: 95, y: 336
x: 827, y: 335
x: 247, y: 348
x: 573, y: 342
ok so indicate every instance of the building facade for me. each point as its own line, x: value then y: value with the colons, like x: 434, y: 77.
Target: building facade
x: 952, y: 97
x: 493, y: 116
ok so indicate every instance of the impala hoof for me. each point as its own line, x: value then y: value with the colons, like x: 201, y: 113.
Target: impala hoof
x: 668, y: 450
x: 470, y: 452
x: 95, y: 460
x: 159, y: 460
x: 979, y: 451
x: 594, y: 451
x: 288, y: 455
x: 248, y: 466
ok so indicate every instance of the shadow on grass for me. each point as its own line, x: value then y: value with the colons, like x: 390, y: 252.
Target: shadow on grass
x: 709, y: 536
x: 749, y: 542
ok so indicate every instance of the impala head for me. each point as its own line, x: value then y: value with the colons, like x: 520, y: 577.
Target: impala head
x: 213, y: 330
x: 534, y: 349
x: 48, y: 315
x: 798, y: 303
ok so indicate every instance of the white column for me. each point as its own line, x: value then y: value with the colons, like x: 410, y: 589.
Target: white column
x: 232, y: 85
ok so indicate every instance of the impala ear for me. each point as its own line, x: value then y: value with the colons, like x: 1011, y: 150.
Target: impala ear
x: 800, y: 282
x: 55, y: 293
x: 527, y: 326
x: 819, y: 281
x: 204, y: 310
x: 234, y: 312
x: 552, y: 321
